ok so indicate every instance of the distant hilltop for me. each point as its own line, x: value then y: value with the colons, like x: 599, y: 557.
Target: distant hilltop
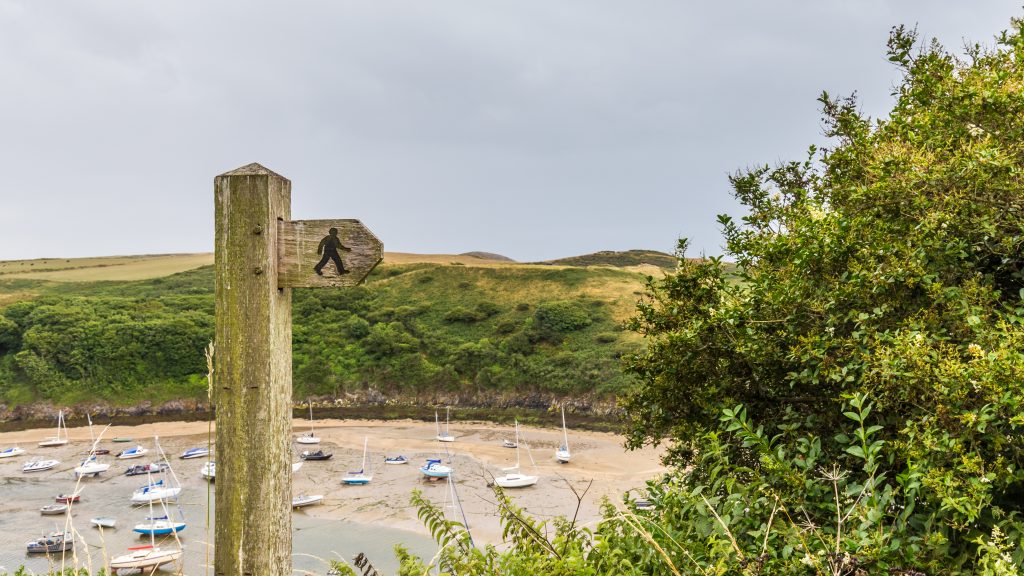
x: 142, y: 267
x: 625, y: 259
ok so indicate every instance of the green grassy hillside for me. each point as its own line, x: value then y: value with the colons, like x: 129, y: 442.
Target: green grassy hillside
x: 414, y: 328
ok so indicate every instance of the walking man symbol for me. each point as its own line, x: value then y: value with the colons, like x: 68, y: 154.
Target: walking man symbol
x: 329, y: 247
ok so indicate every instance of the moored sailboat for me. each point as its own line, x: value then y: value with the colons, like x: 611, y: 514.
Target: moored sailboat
x: 360, y: 476
x: 563, y: 454
x: 309, y: 437
x: 59, y: 439
x: 446, y: 437
x: 513, y: 478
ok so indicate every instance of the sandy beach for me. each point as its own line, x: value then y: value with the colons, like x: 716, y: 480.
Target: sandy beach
x: 476, y: 455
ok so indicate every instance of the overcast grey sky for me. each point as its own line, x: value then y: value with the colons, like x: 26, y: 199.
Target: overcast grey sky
x: 533, y: 128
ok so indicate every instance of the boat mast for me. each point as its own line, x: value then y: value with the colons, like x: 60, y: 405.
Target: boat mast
x: 310, y: 416
x: 517, y: 444
x: 362, y: 469
x: 565, y: 433
x: 447, y: 409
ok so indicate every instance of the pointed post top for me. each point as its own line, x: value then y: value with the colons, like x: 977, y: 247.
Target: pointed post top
x: 254, y: 169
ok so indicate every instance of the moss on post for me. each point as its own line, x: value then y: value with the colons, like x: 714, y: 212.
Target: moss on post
x: 253, y: 363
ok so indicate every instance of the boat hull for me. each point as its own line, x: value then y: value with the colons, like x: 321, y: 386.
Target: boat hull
x: 159, y: 529
x: 155, y: 495
x: 91, y: 469
x: 188, y: 455
x: 39, y: 466
x: 303, y: 501
x: 55, y: 542
x: 103, y: 522
x: 515, y: 481
x: 12, y: 452
x: 52, y: 442
x: 151, y: 558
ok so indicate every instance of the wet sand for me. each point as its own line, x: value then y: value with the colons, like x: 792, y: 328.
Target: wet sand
x: 476, y: 455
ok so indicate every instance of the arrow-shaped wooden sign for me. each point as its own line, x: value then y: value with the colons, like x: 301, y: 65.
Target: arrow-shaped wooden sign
x: 322, y: 253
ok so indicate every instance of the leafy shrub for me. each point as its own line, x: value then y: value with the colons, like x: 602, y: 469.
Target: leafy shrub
x: 487, y: 309
x: 560, y: 317
x: 460, y: 314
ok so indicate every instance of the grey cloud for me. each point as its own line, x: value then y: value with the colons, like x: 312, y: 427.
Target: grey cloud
x: 534, y: 129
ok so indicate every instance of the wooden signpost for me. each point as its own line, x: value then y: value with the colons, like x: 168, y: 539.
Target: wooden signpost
x: 260, y: 255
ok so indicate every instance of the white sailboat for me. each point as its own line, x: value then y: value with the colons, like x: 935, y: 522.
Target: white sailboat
x: 513, y: 478
x: 154, y: 491
x: 446, y: 437
x: 360, y: 476
x: 150, y: 556
x: 57, y: 440
x: 563, y: 455
x: 310, y: 437
x: 91, y: 466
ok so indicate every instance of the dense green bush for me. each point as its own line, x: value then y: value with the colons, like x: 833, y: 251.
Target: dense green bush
x: 560, y: 317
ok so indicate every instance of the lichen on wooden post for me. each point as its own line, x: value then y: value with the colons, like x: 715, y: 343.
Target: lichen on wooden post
x: 253, y: 388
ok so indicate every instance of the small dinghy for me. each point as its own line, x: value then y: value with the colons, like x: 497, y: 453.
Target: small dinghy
x: 53, y: 509
x: 53, y: 542
x: 119, y: 440
x: 38, y: 465
x: 396, y: 460
x: 303, y: 500
x: 209, y: 471
x: 194, y: 453
x: 11, y: 452
x: 103, y: 521
x: 318, y: 455
x: 99, y: 452
x: 509, y: 444
x: 154, y: 468
x: 68, y: 498
x: 644, y: 505
x: 136, y: 452
x: 434, y: 469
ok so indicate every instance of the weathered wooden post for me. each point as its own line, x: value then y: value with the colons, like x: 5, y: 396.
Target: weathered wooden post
x: 260, y: 255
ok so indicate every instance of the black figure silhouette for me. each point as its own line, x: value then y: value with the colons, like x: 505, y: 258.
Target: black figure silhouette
x: 329, y: 248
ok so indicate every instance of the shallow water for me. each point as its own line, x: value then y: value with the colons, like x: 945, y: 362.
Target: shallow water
x: 315, y: 539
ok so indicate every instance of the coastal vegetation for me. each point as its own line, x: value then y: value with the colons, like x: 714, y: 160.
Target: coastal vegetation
x: 415, y: 329
x: 852, y: 402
